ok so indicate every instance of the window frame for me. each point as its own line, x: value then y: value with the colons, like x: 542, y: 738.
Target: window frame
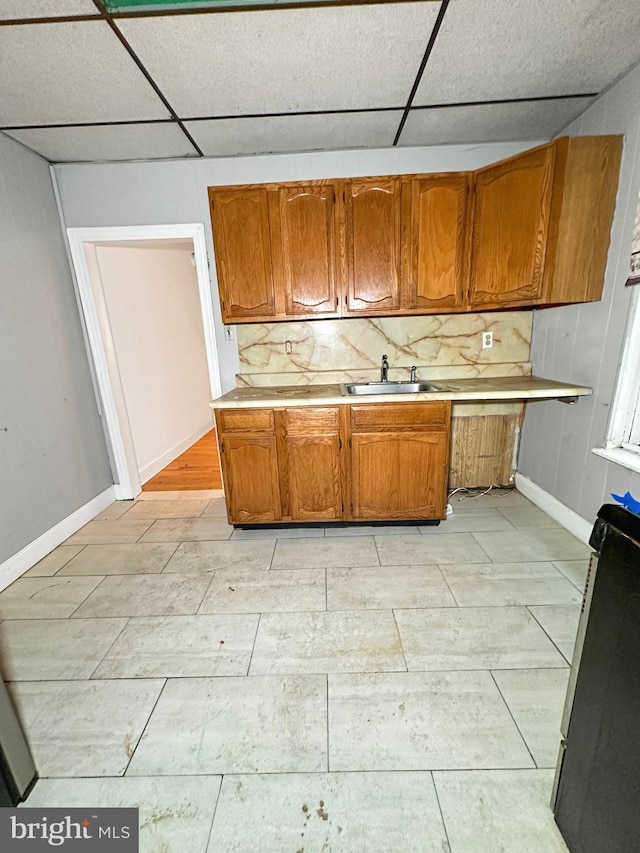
x: 622, y: 443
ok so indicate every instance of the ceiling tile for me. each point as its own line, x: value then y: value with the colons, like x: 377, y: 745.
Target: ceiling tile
x: 490, y: 122
x: 70, y: 72
x: 16, y: 9
x: 110, y: 142
x: 279, y: 134
x: 502, y: 49
x: 285, y: 60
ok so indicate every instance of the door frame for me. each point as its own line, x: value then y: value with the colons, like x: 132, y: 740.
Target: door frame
x: 102, y: 350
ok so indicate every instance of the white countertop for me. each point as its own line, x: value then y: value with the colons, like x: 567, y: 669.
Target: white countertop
x: 482, y: 389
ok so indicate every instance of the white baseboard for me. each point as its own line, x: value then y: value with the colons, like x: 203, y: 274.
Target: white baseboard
x: 156, y: 465
x: 25, y: 559
x: 574, y: 523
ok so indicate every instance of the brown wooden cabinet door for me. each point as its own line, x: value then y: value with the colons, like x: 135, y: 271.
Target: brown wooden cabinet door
x: 373, y: 228
x: 250, y: 471
x: 308, y: 249
x: 585, y: 186
x: 240, y: 220
x: 437, y: 237
x: 399, y: 475
x: 311, y: 477
x: 315, y: 486
x: 510, y: 224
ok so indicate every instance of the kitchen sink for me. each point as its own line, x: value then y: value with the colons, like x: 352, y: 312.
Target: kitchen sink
x: 388, y: 388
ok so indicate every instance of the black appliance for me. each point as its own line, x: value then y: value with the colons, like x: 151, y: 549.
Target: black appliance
x: 596, y: 797
x: 17, y: 770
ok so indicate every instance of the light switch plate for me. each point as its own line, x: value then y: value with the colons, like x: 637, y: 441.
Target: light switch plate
x: 229, y: 333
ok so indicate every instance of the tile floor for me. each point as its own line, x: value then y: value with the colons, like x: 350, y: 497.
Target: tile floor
x: 349, y: 689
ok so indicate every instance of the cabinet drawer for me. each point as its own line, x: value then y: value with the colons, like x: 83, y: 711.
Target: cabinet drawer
x: 398, y: 416
x: 246, y: 420
x: 311, y: 421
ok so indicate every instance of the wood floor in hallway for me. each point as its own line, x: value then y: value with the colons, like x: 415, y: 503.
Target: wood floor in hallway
x: 196, y: 468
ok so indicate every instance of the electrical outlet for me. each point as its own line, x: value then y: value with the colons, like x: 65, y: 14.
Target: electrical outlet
x: 487, y: 340
x: 229, y: 333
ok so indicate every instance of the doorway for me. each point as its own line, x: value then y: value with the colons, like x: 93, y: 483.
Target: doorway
x: 146, y: 298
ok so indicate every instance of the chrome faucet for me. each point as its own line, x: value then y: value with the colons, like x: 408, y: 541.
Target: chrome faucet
x: 413, y: 374
x: 384, y: 370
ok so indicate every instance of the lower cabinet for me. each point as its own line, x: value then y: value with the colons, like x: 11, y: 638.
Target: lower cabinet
x: 335, y: 463
x: 249, y: 461
x: 399, y: 460
x: 250, y: 466
x: 311, y: 481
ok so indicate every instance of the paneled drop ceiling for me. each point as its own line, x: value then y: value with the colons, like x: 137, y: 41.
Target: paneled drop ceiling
x: 79, y: 84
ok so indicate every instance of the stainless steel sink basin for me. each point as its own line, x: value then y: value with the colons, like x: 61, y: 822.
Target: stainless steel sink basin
x: 388, y: 388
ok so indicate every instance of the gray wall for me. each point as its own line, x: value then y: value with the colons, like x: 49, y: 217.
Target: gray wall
x: 172, y: 192
x: 52, y: 447
x: 582, y: 343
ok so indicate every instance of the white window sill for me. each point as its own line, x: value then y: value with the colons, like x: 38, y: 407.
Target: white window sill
x: 626, y: 458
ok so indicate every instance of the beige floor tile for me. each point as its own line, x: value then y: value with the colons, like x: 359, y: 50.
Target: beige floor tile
x: 528, y: 517
x: 248, y: 591
x: 504, y: 584
x: 187, y: 529
x: 114, y: 511
x: 139, y: 558
x: 45, y: 598
x: 236, y: 725
x: 184, y: 508
x: 84, y: 728
x: 430, y: 549
x: 146, y: 595
x: 354, y: 812
x: 474, y: 638
x: 179, y: 646
x: 175, y: 811
x: 499, y: 810
x: 51, y: 649
x: 560, y: 621
x: 538, y: 544
x: 54, y: 561
x: 216, y: 507
x: 536, y: 699
x: 495, y: 499
x: 326, y: 552
x: 371, y: 530
x: 283, y: 532
x: 421, y: 721
x: 339, y: 641
x: 574, y: 570
x: 122, y: 531
x: 469, y: 522
x: 206, y: 557
x: 379, y: 587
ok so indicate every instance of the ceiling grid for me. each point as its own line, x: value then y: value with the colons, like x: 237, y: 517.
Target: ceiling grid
x: 78, y: 83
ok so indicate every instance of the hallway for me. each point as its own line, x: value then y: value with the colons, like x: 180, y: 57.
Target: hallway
x: 195, y: 469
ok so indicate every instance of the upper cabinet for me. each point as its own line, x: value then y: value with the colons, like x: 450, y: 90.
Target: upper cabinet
x: 240, y: 219
x: 585, y: 185
x: 510, y: 225
x: 373, y: 219
x: 307, y: 248
x: 436, y: 211
x: 542, y: 224
x: 532, y: 230
x: 277, y: 251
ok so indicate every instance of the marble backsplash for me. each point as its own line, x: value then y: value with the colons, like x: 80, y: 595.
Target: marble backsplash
x: 441, y: 346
